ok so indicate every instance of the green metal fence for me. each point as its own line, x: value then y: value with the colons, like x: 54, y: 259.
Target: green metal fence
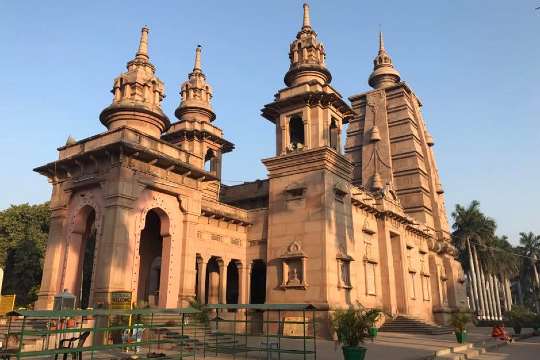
x: 271, y: 331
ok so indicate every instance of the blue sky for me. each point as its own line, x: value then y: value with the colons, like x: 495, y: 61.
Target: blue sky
x: 474, y: 64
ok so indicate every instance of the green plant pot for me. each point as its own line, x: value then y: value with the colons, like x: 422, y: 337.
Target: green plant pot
x: 354, y: 352
x: 373, y: 331
x: 461, y: 336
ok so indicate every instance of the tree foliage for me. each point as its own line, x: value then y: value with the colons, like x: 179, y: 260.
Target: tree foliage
x: 23, y: 238
x: 495, y: 253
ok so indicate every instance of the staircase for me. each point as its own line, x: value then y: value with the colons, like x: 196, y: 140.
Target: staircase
x: 408, y: 324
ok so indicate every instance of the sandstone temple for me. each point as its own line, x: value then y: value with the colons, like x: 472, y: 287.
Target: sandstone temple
x: 341, y: 219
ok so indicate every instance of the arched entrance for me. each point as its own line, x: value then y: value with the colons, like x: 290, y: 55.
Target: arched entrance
x: 80, y: 261
x: 258, y: 282
x: 212, y: 281
x: 156, y: 228
x: 232, y: 283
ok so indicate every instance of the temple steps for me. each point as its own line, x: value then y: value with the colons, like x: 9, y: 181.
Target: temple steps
x: 408, y: 324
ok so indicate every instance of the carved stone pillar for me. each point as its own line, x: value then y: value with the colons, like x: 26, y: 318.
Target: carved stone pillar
x: 201, y: 268
x: 53, y: 262
x: 114, y: 268
x: 222, y: 282
x: 242, y: 294
x: 248, y: 283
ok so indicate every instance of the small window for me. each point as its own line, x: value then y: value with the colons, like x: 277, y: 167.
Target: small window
x: 333, y: 132
x: 296, y: 134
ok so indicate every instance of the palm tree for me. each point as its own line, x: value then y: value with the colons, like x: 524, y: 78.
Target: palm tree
x: 472, y: 230
x: 530, y: 249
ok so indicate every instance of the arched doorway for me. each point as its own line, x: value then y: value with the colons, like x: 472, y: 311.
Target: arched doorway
x: 258, y: 282
x: 89, y: 246
x: 212, y: 281
x: 156, y: 227
x: 232, y: 283
x: 80, y: 263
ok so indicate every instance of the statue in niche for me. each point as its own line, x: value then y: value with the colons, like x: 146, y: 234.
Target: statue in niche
x: 293, y: 277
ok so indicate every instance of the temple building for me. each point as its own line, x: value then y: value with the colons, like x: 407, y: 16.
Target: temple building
x: 341, y: 219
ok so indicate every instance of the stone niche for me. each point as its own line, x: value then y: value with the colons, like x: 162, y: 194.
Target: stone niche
x: 344, y: 269
x: 293, y: 266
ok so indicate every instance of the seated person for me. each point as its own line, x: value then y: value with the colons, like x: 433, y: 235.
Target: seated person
x: 499, y: 333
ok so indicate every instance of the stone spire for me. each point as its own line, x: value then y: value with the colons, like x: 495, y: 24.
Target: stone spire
x: 383, y: 74
x: 138, y: 93
x: 307, y: 56
x: 196, y: 95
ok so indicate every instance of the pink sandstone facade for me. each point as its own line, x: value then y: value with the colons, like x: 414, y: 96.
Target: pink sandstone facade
x: 140, y: 207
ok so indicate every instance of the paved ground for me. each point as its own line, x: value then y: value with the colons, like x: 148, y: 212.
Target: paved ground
x: 528, y: 349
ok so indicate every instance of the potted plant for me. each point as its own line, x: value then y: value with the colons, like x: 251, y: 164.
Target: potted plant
x: 373, y: 316
x: 352, y: 327
x: 517, y: 317
x: 459, y: 321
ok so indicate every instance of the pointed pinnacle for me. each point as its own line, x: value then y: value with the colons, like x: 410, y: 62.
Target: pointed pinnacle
x: 307, y: 20
x: 381, y: 41
x: 197, y: 58
x: 143, y: 43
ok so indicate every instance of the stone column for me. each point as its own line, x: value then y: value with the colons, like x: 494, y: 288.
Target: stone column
x: 53, y: 262
x: 190, y: 209
x: 241, y: 283
x: 114, y: 268
x: 201, y: 267
x: 222, y: 282
x: 248, y: 283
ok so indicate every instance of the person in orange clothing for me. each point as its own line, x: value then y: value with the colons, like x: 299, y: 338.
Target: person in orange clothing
x: 499, y: 333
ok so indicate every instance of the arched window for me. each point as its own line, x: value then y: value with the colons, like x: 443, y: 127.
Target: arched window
x: 209, y: 160
x: 333, y: 133
x: 296, y: 133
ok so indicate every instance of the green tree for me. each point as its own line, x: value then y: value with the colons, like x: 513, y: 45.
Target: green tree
x: 23, y: 237
x: 529, y: 278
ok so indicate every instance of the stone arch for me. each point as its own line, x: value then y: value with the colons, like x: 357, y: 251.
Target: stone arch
x: 165, y: 210
x: 258, y: 282
x: 84, y: 228
x: 296, y: 133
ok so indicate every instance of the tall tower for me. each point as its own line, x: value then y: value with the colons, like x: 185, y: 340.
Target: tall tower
x: 138, y: 93
x: 308, y: 177
x: 390, y: 146
x: 194, y: 131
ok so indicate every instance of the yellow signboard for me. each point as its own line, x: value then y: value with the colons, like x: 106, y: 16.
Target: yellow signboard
x: 7, y: 302
x: 121, y: 300
x: 295, y: 326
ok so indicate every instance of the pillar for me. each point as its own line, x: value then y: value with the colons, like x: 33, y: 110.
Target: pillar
x: 201, y: 268
x: 222, y: 282
x: 248, y: 283
x: 114, y: 268
x: 242, y: 294
x: 53, y: 262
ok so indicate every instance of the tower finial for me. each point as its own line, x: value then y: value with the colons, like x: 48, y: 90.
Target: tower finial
x: 197, y: 58
x: 143, y: 43
x: 307, y: 20
x: 381, y: 41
